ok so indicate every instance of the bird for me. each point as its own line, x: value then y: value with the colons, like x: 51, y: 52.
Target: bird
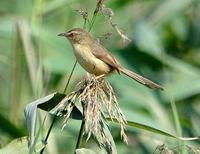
x: 97, y: 60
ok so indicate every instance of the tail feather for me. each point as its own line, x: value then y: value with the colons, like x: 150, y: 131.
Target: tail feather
x: 140, y: 79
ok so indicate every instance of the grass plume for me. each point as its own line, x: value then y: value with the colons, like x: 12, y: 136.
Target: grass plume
x: 98, y: 101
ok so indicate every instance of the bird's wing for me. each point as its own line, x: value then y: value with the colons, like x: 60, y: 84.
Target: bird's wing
x: 103, y: 54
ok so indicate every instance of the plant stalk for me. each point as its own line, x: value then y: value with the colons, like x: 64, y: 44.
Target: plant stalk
x: 80, y: 136
x: 55, y: 117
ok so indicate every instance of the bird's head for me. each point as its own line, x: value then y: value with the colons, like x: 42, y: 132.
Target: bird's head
x: 77, y: 36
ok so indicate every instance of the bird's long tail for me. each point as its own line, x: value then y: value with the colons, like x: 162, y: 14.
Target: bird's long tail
x: 140, y: 79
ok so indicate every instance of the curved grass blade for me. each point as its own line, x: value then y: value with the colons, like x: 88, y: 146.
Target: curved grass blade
x: 154, y: 130
x: 149, y: 128
x: 47, y: 104
x: 145, y: 127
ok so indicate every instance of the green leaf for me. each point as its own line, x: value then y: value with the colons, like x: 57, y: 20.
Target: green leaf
x: 182, y: 87
x: 145, y: 127
x: 52, y: 6
x: 148, y: 128
x: 31, y: 109
x: 47, y: 104
x: 167, y: 10
x: 154, y: 130
x: 20, y: 146
x: 112, y: 149
x: 8, y: 127
x: 155, y: 48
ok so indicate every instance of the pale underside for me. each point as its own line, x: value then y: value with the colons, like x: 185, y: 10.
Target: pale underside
x: 96, y: 60
x: 89, y: 62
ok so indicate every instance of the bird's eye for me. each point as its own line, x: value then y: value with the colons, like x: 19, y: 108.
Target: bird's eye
x: 73, y: 33
x: 70, y: 33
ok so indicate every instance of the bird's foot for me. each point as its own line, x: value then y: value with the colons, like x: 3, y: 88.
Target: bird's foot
x: 100, y: 76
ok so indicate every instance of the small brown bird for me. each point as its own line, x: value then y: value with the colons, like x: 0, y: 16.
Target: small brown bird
x: 96, y: 59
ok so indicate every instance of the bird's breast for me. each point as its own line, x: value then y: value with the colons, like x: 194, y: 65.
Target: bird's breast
x: 89, y: 62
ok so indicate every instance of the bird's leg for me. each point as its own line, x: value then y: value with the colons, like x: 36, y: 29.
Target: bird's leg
x: 100, y: 76
x: 87, y: 74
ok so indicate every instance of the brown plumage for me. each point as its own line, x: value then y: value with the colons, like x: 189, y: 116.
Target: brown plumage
x: 97, y: 60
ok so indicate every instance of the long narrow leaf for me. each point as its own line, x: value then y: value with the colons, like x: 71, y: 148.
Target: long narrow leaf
x: 154, y: 130
x: 46, y: 103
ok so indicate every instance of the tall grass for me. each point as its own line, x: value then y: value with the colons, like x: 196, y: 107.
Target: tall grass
x: 165, y: 48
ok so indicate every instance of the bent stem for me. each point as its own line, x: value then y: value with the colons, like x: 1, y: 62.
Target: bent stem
x: 80, y: 136
x: 70, y: 76
x: 55, y: 117
x: 48, y: 133
x: 95, y: 15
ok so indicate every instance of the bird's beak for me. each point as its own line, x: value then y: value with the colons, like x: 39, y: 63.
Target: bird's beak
x: 62, y: 34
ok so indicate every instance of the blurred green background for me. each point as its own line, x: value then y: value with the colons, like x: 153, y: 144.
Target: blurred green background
x: 34, y: 62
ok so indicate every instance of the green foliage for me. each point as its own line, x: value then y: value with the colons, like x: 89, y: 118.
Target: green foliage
x: 19, y: 146
x: 165, y: 48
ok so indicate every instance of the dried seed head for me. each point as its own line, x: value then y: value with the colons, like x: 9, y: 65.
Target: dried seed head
x: 98, y: 101
x: 83, y: 13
